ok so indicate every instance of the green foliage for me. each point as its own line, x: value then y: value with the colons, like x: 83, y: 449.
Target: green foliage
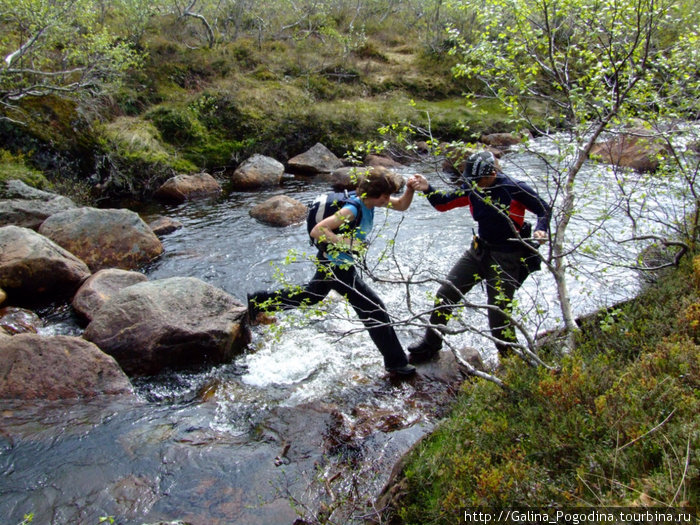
x: 15, y: 167
x: 616, y: 426
x: 592, y: 59
x: 60, y: 48
x: 176, y: 126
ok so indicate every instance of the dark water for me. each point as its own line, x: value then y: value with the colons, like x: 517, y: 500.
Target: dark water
x: 305, y: 415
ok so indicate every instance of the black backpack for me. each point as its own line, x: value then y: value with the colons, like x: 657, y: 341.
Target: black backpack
x: 326, y: 205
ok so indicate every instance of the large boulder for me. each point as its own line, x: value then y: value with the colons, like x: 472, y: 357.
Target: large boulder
x: 178, y: 322
x: 104, y: 238
x: 280, y: 211
x: 100, y: 287
x: 637, y: 149
x: 28, y: 207
x: 318, y: 159
x: 57, y: 367
x: 183, y: 187
x: 34, y: 268
x: 256, y: 172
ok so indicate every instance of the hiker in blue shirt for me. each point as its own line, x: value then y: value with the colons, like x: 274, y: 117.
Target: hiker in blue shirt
x: 497, y: 254
x: 338, y: 238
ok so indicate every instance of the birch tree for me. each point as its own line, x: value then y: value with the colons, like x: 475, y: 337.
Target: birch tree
x: 591, y: 65
x: 57, y: 48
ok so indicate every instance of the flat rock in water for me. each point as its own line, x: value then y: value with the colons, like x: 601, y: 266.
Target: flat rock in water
x: 57, y: 367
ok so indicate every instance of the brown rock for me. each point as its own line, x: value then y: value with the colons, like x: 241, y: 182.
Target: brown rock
x: 256, y: 172
x: 501, y: 140
x: 164, y: 225
x: 382, y: 161
x: 636, y: 149
x: 57, y: 367
x: 280, y: 211
x: 34, y: 268
x: 104, y: 238
x: 100, y: 287
x: 344, y: 178
x: 183, y: 187
x: 170, y: 323
x: 422, y: 147
x: 318, y: 159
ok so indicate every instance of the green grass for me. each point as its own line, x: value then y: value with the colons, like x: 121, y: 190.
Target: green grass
x: 15, y: 167
x: 617, y: 426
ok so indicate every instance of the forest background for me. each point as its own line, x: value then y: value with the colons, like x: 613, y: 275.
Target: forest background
x: 103, y: 99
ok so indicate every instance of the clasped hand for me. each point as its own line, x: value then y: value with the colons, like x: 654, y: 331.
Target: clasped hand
x: 417, y: 183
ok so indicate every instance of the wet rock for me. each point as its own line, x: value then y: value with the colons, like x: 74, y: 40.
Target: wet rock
x: 382, y: 161
x: 135, y: 495
x: 183, y: 187
x: 472, y: 357
x: 318, y: 159
x: 344, y: 178
x: 3, y: 296
x: 34, y: 268
x: 104, y: 238
x: 501, y: 140
x: 445, y: 369
x: 164, y: 225
x: 637, y: 149
x: 28, y: 207
x: 280, y: 211
x: 256, y: 172
x: 178, y: 322
x: 57, y: 367
x: 15, y: 320
x: 100, y: 287
x: 422, y: 147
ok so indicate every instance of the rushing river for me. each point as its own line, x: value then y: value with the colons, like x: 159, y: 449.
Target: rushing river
x: 307, y: 414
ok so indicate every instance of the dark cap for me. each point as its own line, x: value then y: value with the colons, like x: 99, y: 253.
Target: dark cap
x: 479, y: 165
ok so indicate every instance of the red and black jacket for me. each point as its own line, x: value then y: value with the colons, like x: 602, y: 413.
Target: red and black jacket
x: 497, y: 209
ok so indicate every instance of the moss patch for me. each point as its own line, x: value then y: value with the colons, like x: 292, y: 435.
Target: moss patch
x: 616, y: 426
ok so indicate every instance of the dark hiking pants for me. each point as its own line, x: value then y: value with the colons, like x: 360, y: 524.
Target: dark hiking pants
x: 501, y: 273
x: 366, y: 303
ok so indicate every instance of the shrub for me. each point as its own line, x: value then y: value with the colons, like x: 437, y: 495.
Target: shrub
x: 614, y: 427
x: 176, y: 126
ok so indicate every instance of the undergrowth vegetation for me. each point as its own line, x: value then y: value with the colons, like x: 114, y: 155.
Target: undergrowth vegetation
x: 616, y: 426
x: 271, y: 79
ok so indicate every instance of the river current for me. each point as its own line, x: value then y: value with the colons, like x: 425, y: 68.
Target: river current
x: 237, y: 443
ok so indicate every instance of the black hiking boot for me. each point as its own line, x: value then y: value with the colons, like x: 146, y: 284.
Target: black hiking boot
x: 402, y: 371
x: 422, y: 352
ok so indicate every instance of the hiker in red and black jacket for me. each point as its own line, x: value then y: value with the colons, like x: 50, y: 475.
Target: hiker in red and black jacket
x: 497, y: 254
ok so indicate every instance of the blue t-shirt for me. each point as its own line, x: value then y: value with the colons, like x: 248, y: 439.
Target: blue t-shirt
x: 360, y: 232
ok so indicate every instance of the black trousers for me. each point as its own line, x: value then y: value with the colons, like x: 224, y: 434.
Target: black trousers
x: 500, y: 271
x: 366, y: 303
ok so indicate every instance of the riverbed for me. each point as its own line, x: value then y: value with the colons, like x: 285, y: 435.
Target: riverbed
x: 305, y: 421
